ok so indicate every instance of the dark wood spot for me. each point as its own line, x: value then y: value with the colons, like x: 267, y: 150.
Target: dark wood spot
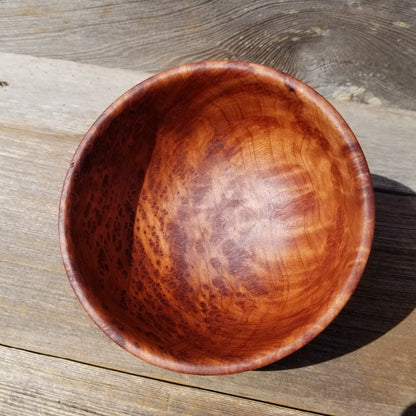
x: 215, y: 262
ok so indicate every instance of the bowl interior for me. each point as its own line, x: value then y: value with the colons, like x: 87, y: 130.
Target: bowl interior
x: 216, y: 217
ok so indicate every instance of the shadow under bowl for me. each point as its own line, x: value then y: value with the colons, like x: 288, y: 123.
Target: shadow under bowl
x: 216, y: 217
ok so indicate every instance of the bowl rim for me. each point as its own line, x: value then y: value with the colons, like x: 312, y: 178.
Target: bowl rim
x: 273, y: 354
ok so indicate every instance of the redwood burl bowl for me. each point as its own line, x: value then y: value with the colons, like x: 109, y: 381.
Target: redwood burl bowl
x: 216, y: 217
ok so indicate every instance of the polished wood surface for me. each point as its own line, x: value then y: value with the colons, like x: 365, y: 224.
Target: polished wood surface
x: 216, y: 217
x: 363, y: 363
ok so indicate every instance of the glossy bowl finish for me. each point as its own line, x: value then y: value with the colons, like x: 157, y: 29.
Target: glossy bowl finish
x: 216, y: 217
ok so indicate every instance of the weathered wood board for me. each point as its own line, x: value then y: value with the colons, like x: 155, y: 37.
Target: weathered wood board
x: 362, y: 51
x: 37, y: 384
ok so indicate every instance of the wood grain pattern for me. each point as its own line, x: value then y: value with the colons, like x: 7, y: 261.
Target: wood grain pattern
x: 35, y: 384
x: 84, y: 91
x: 362, y: 363
x: 216, y: 217
x: 381, y: 322
x: 363, y: 51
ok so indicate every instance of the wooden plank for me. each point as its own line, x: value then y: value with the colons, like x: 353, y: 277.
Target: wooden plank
x: 387, y: 137
x: 363, y: 51
x: 363, y: 363
x: 60, y: 96
x: 81, y: 92
x: 33, y: 384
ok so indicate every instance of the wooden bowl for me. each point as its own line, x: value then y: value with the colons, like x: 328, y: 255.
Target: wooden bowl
x: 216, y: 217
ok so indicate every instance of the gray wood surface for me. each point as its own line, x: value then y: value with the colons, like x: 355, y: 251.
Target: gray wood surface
x: 43, y: 385
x: 361, y: 50
x: 67, y: 97
x: 362, y: 364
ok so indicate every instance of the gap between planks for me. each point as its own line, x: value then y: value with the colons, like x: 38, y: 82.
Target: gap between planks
x: 158, y: 396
